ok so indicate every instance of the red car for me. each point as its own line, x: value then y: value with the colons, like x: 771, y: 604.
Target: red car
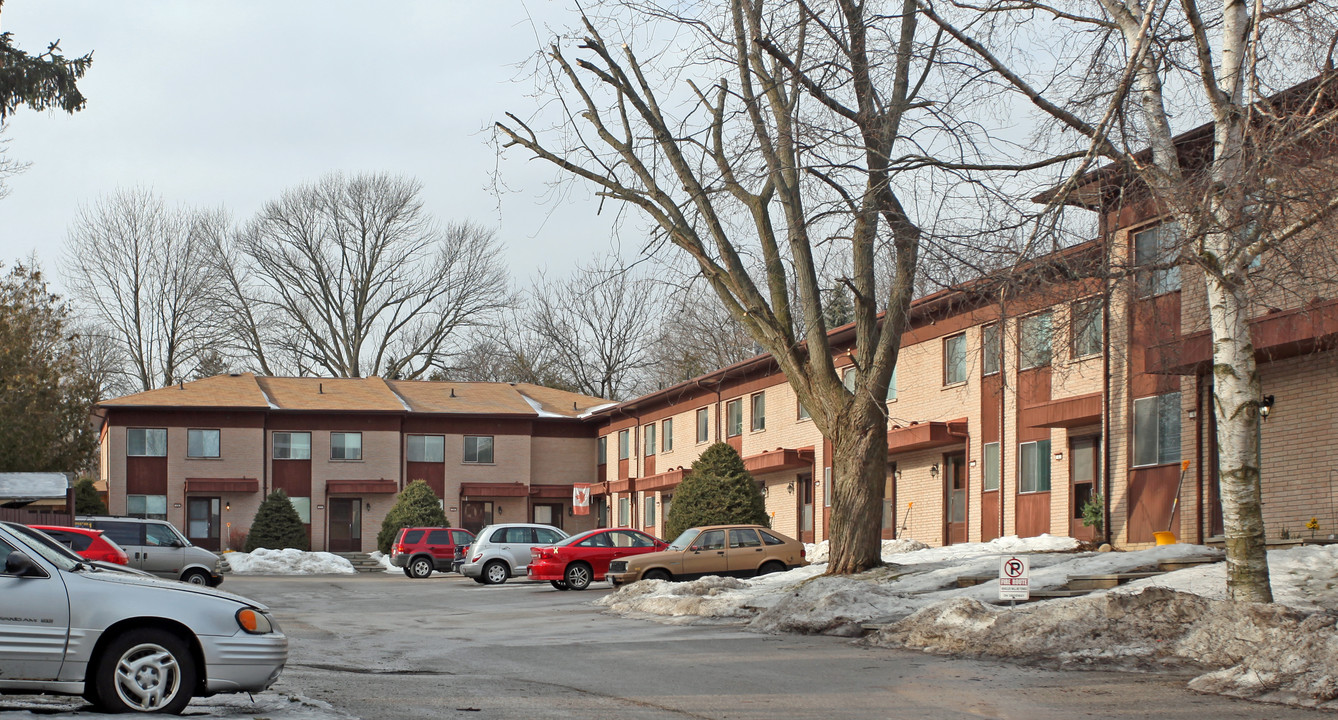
x: 87, y: 542
x: 584, y: 557
x: 422, y: 550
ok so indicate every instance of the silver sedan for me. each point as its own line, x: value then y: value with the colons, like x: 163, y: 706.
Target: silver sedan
x: 126, y: 643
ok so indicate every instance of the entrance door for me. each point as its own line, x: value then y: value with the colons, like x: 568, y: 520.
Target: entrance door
x: 805, y: 507
x: 202, y: 526
x: 548, y: 515
x: 1084, y: 468
x: 345, y: 524
x: 476, y: 515
x: 954, y: 490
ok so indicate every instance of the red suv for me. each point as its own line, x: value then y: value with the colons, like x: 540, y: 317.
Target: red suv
x: 86, y: 542
x: 422, y: 550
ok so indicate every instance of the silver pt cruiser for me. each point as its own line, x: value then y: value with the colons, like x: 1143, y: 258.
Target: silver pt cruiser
x: 125, y: 643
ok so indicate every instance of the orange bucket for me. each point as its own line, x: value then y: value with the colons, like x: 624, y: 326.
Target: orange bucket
x: 1164, y: 538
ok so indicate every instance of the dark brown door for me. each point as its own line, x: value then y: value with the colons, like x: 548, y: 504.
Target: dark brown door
x: 345, y: 524
x: 202, y: 526
x: 1084, y: 469
x: 475, y: 515
x: 890, y: 503
x: 955, y: 496
x: 547, y: 514
x: 805, y: 481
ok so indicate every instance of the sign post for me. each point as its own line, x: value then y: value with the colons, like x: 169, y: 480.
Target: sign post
x: 1014, y: 578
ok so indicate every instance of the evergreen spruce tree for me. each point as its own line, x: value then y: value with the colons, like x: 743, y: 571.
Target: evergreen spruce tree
x: 719, y: 490
x: 416, y: 506
x: 87, y: 501
x: 277, y: 525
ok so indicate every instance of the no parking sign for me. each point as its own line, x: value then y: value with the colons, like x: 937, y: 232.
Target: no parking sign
x: 1014, y: 578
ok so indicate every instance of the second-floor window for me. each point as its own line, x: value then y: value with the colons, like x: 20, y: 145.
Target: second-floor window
x: 478, y: 449
x: 892, y: 386
x: 649, y: 446
x: 759, y: 411
x: 1155, y: 252
x: 1157, y: 429
x: 292, y: 446
x: 345, y: 446
x: 146, y: 442
x: 624, y: 447
x: 734, y: 418
x: 1086, y: 328
x: 991, y: 349
x: 426, y: 448
x: 803, y: 412
x: 1034, y: 343
x: 667, y: 437
x: 990, y: 481
x: 703, y: 425
x: 202, y: 443
x: 954, y: 359
x: 603, y: 448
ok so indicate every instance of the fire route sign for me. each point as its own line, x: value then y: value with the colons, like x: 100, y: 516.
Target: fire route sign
x: 1014, y: 578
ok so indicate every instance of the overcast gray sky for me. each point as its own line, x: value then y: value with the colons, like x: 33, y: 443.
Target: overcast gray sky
x: 230, y: 103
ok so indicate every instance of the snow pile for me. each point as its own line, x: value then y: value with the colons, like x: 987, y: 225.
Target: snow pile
x: 288, y: 561
x: 818, y: 553
x: 384, y: 559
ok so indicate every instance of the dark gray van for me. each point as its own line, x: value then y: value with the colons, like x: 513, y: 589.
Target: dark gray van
x: 156, y: 546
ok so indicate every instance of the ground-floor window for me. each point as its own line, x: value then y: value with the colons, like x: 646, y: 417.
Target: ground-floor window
x: 648, y: 519
x: 548, y: 515
x: 622, y: 511
x: 153, y: 507
x: 1033, y: 466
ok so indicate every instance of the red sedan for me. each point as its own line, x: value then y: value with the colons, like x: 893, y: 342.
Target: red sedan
x: 86, y: 542
x: 584, y: 557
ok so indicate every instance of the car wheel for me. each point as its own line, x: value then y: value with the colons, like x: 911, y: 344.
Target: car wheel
x: 195, y: 577
x: 657, y: 574
x: 420, y: 567
x: 771, y: 567
x: 496, y: 572
x: 578, y: 576
x: 559, y: 584
x: 407, y: 572
x: 145, y: 670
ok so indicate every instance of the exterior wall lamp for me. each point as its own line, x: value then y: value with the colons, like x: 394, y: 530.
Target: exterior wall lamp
x: 1265, y: 406
x: 790, y: 488
x: 933, y: 471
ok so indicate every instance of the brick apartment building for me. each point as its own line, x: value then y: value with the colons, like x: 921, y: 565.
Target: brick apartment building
x: 204, y: 454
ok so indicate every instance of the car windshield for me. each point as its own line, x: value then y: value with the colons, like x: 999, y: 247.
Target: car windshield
x: 684, y: 540
x: 42, y: 544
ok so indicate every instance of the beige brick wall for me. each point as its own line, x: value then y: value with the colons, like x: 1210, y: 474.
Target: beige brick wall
x: 1300, y: 456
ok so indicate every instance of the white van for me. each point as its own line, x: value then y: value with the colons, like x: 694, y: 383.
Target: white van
x: 156, y: 546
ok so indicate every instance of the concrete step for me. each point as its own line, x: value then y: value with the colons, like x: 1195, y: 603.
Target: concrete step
x: 1105, y: 582
x: 362, y: 562
x: 1186, y: 562
x: 973, y: 580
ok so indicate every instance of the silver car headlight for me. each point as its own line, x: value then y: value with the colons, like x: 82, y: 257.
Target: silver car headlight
x: 253, y: 621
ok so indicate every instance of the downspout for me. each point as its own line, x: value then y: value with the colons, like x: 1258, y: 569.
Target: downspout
x: 264, y: 456
x: 1106, y: 475
x: 1198, y: 456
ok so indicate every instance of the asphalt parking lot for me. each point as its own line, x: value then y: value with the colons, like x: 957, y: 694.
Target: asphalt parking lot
x: 384, y: 646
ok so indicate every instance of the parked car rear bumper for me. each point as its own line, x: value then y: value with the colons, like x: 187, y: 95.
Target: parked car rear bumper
x: 545, y: 570
x: 399, y: 560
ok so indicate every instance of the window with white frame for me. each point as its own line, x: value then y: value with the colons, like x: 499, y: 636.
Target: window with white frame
x: 892, y: 385
x: 292, y: 446
x: 703, y: 425
x: 478, y: 449
x: 426, y: 448
x: 954, y: 359
x: 648, y: 518
x: 146, y: 442
x: 346, y: 446
x: 622, y: 511
x: 303, y: 507
x: 648, y: 447
x: 152, y: 507
x: 848, y: 378
x: 990, y: 479
x: 202, y: 443
x: 803, y: 412
x: 624, y: 445
x: 602, y: 447
x: 758, y: 419
x: 667, y: 437
x: 1155, y: 251
x: 1034, y: 343
x: 1086, y: 328
x: 827, y: 487
x: 1033, y: 466
x: 991, y: 349
x: 734, y: 417
x: 1157, y: 429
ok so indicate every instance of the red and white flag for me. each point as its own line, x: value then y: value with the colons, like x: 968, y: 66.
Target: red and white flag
x: 580, y: 498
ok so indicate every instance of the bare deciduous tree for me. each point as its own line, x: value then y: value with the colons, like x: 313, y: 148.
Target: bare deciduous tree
x: 349, y: 276
x: 139, y: 269
x: 1125, y: 75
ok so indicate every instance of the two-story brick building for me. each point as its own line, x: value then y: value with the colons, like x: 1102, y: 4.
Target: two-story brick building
x: 204, y: 454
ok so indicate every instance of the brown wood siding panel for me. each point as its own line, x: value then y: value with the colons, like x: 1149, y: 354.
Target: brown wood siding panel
x: 1151, y: 492
x: 1033, y: 514
x: 561, y: 429
x: 991, y: 410
x: 551, y: 492
x: 293, y: 477
x: 488, y: 490
x: 432, y: 472
x: 989, y: 515
x: 361, y: 487
x: 1033, y: 388
x: 342, y: 422
x: 622, y: 469
x: 433, y: 425
x: 146, y: 476
x: 1155, y: 321
x: 222, y: 485
x: 736, y: 442
x: 648, y: 466
x: 600, y: 473
x: 1074, y: 411
x: 184, y: 418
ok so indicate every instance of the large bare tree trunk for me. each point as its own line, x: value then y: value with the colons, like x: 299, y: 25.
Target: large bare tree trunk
x: 859, y: 470
x: 1237, y: 392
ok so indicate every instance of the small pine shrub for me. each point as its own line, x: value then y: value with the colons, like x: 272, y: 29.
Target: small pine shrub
x: 416, y: 506
x: 87, y: 500
x: 718, y: 491
x: 277, y: 525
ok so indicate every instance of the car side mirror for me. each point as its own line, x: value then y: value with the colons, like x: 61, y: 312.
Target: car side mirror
x: 20, y: 565
x: 694, y: 548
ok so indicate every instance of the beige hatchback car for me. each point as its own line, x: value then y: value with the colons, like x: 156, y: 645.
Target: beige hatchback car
x: 738, y: 550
